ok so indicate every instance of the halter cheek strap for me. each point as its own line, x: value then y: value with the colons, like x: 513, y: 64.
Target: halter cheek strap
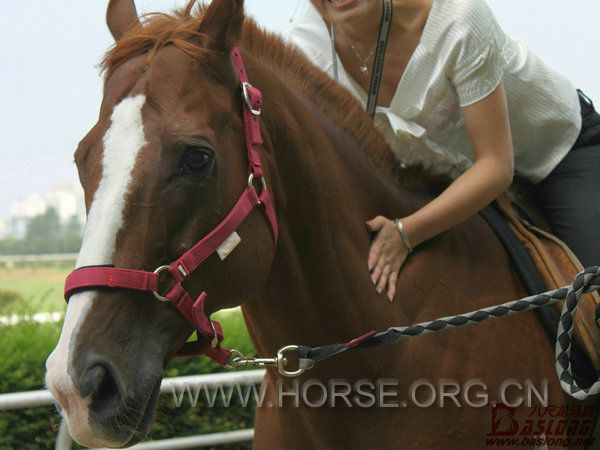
x: 209, y: 333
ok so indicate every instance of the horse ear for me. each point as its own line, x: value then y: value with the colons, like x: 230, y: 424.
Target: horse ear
x: 121, y: 16
x: 222, y: 23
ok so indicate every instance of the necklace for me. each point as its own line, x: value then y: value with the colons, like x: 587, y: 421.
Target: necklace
x: 384, y: 31
x: 364, y: 69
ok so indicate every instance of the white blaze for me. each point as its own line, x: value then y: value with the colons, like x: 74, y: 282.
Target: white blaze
x: 122, y: 144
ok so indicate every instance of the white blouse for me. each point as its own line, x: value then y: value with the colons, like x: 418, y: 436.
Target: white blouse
x: 461, y: 58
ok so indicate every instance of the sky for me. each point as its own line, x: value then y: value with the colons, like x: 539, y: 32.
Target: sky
x: 50, y: 86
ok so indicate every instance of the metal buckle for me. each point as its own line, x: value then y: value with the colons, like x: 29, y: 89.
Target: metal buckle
x: 235, y: 355
x: 155, y: 293
x: 214, y: 343
x: 278, y: 361
x: 248, y: 100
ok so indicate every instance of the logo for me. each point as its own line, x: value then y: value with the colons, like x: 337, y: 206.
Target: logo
x: 553, y: 425
x: 503, y: 420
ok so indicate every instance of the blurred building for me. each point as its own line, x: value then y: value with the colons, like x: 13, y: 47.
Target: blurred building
x: 66, y: 199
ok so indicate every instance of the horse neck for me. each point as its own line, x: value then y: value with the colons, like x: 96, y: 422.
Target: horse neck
x: 325, y: 188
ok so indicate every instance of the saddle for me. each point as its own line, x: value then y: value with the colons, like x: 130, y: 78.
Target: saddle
x: 557, y: 266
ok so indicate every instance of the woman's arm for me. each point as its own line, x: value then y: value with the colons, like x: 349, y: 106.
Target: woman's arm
x: 489, y: 130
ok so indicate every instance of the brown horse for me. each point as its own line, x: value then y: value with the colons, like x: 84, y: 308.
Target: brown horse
x: 166, y: 162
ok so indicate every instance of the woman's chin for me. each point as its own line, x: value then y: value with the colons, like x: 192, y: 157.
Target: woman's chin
x: 344, y: 10
x: 340, y: 5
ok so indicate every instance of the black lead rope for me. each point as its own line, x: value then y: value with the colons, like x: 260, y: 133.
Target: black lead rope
x: 384, y: 32
x: 586, y: 281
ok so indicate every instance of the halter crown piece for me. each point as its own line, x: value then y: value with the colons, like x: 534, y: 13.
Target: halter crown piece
x: 209, y: 333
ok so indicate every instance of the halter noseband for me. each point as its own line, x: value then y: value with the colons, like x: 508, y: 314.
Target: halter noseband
x: 209, y: 333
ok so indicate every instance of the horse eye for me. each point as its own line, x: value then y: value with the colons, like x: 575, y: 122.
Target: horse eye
x: 195, y: 162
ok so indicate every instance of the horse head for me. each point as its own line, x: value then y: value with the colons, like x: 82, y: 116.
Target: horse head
x: 161, y: 168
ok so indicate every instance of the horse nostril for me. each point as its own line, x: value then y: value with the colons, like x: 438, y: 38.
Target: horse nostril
x: 101, y: 384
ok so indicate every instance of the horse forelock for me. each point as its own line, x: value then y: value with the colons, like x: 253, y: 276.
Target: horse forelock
x: 180, y: 29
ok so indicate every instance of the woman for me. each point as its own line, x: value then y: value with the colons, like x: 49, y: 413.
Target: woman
x: 475, y: 105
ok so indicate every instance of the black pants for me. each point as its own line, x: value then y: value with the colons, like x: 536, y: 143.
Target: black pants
x: 570, y: 196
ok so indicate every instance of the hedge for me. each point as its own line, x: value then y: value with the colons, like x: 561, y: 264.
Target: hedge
x: 25, y: 348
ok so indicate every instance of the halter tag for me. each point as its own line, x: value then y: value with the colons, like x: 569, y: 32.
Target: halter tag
x: 228, y: 245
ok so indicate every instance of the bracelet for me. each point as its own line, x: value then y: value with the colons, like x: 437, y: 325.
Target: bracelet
x: 403, y: 235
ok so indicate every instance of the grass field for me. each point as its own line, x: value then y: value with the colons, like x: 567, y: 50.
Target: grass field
x: 40, y: 288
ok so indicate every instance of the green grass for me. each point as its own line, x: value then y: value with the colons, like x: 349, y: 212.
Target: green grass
x: 39, y: 287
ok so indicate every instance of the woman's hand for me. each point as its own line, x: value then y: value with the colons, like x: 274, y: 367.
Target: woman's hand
x: 489, y: 130
x: 386, y: 256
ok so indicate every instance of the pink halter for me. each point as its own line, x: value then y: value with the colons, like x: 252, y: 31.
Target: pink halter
x: 209, y: 333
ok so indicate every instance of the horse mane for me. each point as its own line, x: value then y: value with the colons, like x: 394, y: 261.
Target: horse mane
x: 180, y: 29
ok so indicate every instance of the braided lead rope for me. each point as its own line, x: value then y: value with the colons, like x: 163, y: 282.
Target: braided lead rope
x: 586, y: 281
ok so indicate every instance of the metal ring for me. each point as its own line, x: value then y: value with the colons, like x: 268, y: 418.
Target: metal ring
x: 281, y: 362
x: 156, y: 294
x: 263, y: 182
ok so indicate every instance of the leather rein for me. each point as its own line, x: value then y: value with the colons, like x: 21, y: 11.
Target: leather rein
x: 209, y: 333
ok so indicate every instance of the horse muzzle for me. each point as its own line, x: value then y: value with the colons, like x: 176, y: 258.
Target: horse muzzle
x: 101, y: 407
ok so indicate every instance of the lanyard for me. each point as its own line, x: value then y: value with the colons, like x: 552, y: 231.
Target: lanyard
x: 382, y: 39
